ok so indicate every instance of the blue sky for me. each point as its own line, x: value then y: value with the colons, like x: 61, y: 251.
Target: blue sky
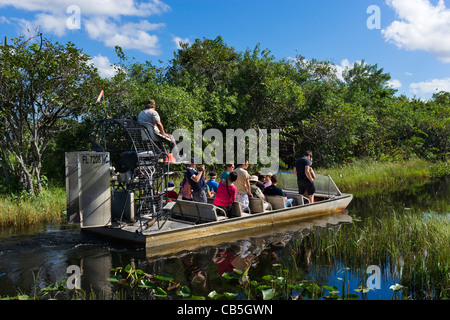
x: 410, y: 39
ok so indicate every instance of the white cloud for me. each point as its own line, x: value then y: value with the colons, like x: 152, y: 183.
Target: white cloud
x: 341, y: 68
x: 177, y: 41
x: 4, y: 19
x: 394, y: 84
x: 421, y: 26
x: 113, y: 8
x: 52, y: 23
x: 128, y: 36
x: 104, y: 20
x: 431, y: 86
x: 345, y: 64
x: 104, y: 66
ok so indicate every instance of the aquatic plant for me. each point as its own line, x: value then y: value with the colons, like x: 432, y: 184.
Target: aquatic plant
x: 283, y: 285
x: 412, y: 247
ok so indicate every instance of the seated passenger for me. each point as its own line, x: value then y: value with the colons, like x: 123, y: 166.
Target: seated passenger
x: 150, y: 118
x: 171, y: 194
x: 274, y: 190
x: 267, y: 181
x: 257, y: 193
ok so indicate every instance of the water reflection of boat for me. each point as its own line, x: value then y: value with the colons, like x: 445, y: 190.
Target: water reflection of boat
x: 119, y: 190
x: 274, y: 236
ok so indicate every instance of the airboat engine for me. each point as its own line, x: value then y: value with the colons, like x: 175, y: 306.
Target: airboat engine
x: 122, y: 179
x: 88, y: 188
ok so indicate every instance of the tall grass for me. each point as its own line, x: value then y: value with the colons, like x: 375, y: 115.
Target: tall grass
x: 25, y: 209
x: 363, y: 174
x: 412, y: 247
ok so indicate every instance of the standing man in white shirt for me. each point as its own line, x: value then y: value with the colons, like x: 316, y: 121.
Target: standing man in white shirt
x: 244, y: 191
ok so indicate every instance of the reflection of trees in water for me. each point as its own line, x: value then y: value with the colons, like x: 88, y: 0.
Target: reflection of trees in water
x: 202, y: 269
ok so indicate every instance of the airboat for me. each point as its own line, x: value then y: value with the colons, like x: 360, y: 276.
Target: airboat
x: 119, y: 189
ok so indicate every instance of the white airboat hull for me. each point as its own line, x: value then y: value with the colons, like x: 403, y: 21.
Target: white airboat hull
x: 175, y: 236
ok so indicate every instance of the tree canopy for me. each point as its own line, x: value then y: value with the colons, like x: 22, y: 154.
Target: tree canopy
x: 41, y: 83
x: 46, y: 87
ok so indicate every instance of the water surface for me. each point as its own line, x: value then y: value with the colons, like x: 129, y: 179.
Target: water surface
x: 34, y: 258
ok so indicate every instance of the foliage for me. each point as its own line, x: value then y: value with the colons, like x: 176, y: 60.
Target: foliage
x: 132, y: 284
x: 48, y: 105
x: 135, y: 283
x: 25, y: 209
x: 42, y: 83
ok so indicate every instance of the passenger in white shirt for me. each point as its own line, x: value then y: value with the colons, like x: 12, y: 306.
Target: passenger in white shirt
x: 152, y: 121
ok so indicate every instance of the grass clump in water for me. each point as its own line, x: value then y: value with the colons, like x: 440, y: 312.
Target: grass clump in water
x: 412, y: 247
x: 26, y: 209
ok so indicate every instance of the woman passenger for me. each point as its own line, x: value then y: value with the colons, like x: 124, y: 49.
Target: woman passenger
x: 226, y: 193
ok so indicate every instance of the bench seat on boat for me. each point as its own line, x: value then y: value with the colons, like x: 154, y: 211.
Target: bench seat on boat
x: 236, y: 210
x: 258, y: 205
x: 197, y: 211
x: 278, y: 202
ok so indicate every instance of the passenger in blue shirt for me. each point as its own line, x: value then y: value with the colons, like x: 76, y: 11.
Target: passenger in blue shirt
x: 274, y: 190
x: 212, y: 183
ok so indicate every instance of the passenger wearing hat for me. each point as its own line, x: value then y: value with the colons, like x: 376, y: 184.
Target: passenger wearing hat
x: 171, y: 194
x: 212, y: 183
x: 256, y: 191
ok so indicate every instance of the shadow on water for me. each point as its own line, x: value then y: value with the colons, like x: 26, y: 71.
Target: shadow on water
x: 33, y: 260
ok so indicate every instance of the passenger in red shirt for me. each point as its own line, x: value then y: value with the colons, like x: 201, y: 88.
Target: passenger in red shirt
x: 226, y: 193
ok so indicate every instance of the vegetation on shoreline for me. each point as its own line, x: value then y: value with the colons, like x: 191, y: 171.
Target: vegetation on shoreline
x: 135, y: 284
x: 341, y: 116
x: 27, y: 209
x: 368, y: 174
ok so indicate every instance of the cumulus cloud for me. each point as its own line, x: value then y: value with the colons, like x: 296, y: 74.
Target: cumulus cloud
x: 104, y: 20
x: 127, y: 35
x: 394, y: 84
x: 114, y: 8
x: 421, y: 26
x: 104, y: 66
x: 177, y: 41
x: 339, y: 69
x: 431, y: 86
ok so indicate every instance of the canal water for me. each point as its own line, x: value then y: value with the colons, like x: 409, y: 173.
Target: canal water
x: 37, y: 257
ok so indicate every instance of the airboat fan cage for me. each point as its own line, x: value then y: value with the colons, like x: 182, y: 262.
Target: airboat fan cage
x: 139, y: 167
